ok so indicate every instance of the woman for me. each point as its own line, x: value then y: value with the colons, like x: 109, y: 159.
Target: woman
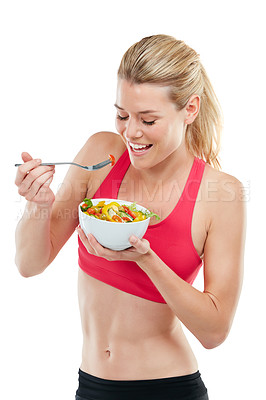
x: 132, y: 301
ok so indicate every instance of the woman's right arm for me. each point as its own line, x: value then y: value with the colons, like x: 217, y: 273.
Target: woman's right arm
x: 32, y: 233
x: 48, y: 221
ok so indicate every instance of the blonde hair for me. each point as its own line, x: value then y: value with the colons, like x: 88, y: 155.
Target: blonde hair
x: 165, y: 61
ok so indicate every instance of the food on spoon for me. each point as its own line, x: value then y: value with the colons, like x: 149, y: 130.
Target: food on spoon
x: 112, y: 159
x: 115, y: 212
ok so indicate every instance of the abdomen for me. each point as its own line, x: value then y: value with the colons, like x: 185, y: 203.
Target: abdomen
x: 126, y: 337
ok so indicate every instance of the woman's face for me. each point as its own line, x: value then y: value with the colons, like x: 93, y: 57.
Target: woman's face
x: 148, y: 123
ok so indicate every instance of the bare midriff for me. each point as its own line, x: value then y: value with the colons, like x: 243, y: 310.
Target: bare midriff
x: 126, y: 337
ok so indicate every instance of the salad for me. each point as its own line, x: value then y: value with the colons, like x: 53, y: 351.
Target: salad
x: 115, y: 212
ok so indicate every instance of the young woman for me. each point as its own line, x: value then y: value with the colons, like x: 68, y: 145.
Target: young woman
x: 132, y: 301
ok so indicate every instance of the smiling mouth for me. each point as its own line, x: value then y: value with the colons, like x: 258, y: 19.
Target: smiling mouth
x: 139, y: 148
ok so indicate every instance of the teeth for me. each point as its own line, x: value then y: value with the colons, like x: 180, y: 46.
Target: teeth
x: 138, y: 146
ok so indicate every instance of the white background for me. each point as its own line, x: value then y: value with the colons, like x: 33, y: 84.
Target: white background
x: 58, y: 79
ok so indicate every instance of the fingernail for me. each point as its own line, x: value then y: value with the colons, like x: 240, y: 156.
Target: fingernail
x: 38, y: 160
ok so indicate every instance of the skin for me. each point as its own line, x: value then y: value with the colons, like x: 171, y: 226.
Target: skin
x: 127, y: 337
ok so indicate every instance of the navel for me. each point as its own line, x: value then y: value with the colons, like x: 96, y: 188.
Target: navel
x: 108, y: 353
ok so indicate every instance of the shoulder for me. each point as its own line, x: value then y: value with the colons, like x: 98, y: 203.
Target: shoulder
x: 221, y: 186
x: 96, y: 149
x: 224, y: 195
x: 101, y: 144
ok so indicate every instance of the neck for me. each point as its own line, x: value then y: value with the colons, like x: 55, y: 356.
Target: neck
x: 175, y: 165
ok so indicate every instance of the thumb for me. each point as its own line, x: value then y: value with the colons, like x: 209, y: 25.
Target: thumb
x: 26, y: 156
x: 141, y: 245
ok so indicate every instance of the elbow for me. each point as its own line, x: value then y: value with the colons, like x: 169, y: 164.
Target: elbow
x: 25, y: 270
x: 214, y: 340
x: 20, y: 267
x: 24, y: 273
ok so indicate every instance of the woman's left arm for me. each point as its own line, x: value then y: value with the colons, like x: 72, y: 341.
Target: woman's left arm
x: 209, y: 314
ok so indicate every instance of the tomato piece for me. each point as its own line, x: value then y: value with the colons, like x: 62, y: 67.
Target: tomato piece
x: 112, y: 159
x: 116, y: 218
x: 129, y: 212
x: 91, y: 211
x: 84, y: 207
x: 126, y: 219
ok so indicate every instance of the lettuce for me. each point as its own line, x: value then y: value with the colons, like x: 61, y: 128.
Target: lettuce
x: 148, y: 214
x: 88, y: 203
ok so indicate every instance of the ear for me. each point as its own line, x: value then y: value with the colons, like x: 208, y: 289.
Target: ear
x: 192, y: 108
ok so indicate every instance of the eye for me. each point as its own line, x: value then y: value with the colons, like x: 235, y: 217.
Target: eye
x: 121, y: 118
x: 144, y: 122
x: 148, y: 123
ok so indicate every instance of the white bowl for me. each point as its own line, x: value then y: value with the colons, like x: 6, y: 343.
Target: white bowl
x: 113, y: 235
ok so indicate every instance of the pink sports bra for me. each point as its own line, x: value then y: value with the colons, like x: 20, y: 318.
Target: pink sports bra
x: 170, y: 239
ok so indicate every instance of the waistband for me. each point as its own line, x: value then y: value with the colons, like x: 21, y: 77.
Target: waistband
x: 173, y: 379
x: 189, y: 387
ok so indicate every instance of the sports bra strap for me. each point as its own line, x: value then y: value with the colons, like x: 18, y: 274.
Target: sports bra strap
x: 190, y: 194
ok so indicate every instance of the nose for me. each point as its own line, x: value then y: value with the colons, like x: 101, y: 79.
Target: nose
x: 132, y: 130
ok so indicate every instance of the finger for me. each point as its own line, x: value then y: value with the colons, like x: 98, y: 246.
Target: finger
x: 32, y: 177
x: 48, y: 182
x: 35, y: 174
x: 141, y: 245
x: 37, y: 184
x: 84, y: 240
x: 24, y: 169
x: 95, y: 248
x: 101, y: 251
x: 26, y: 156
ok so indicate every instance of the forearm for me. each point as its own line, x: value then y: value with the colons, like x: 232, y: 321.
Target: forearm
x: 33, y: 245
x: 196, y: 310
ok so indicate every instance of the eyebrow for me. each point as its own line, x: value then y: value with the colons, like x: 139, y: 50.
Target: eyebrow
x: 140, y: 112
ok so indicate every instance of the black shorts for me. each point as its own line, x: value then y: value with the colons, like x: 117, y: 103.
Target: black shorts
x: 187, y: 387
